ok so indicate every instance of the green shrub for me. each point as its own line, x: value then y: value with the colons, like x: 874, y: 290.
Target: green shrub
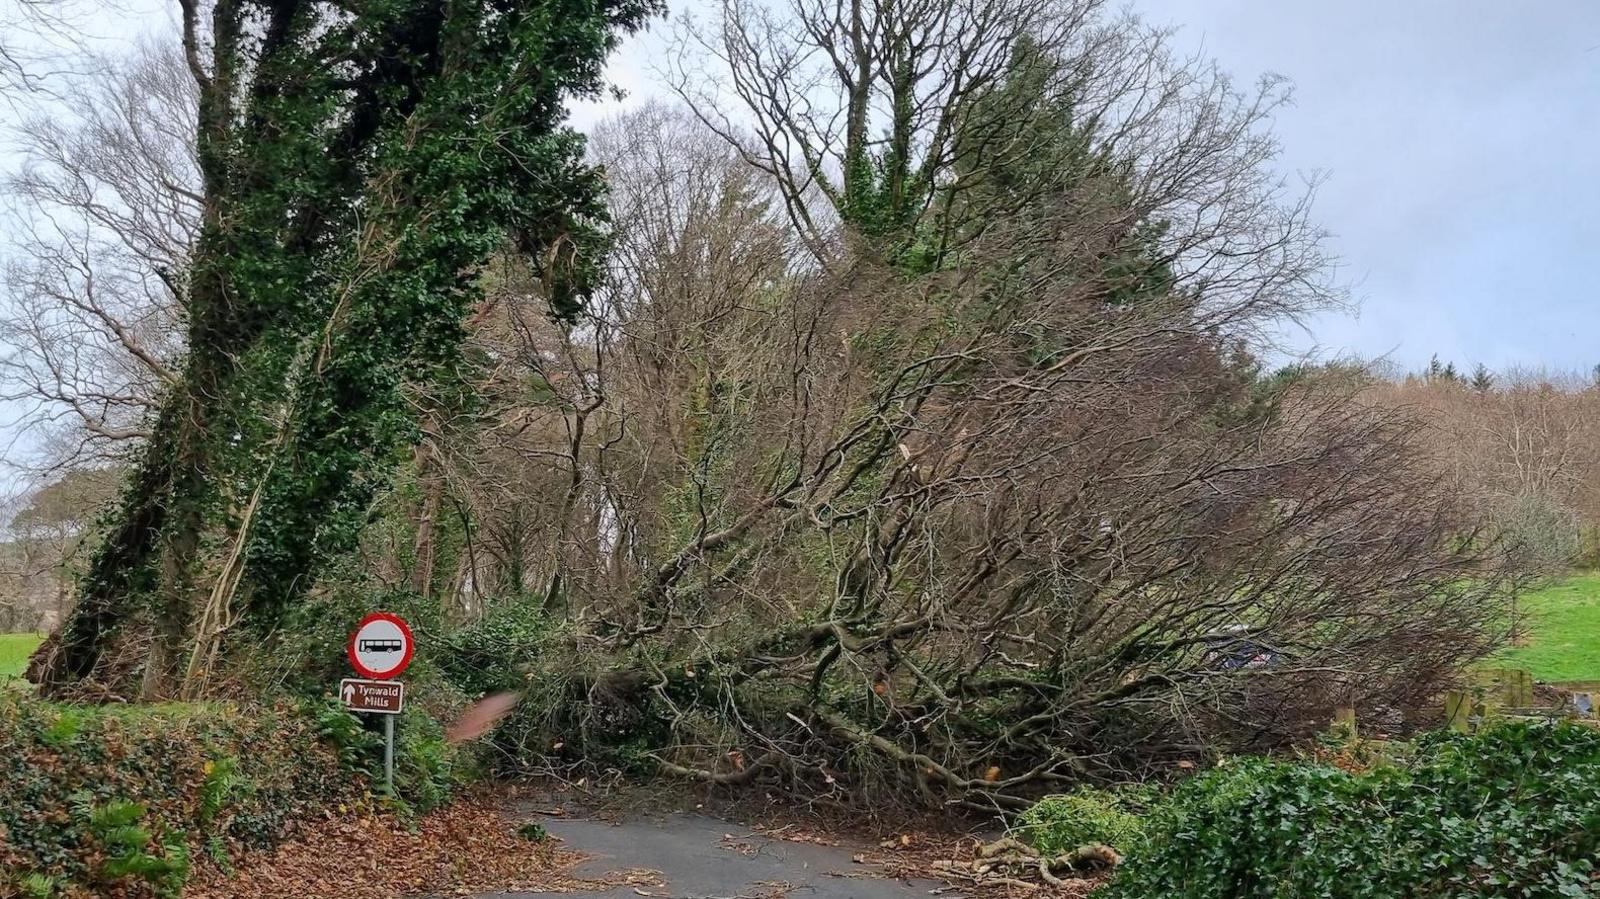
x: 360, y: 748
x: 220, y: 784
x: 40, y: 886
x: 129, y: 849
x: 428, y: 770
x: 1057, y: 824
x: 496, y: 653
x: 1511, y: 811
x: 95, y: 795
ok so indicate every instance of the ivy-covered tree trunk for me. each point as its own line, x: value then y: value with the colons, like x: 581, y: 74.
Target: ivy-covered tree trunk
x: 361, y: 162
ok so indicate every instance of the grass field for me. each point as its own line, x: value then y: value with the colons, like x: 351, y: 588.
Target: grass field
x: 14, y: 649
x: 1563, y: 624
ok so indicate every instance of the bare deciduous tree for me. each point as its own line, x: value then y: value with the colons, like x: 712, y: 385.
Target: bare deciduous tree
x: 924, y: 120
x: 104, y: 211
x: 49, y: 531
x: 32, y: 33
x: 1522, y: 445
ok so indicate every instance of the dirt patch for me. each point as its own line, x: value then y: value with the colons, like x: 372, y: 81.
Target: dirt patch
x: 957, y: 861
x: 472, y: 848
x: 468, y: 846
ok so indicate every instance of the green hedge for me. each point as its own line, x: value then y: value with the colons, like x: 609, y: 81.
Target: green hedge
x: 498, y: 652
x: 1512, y: 811
x: 121, y: 797
x: 1061, y: 823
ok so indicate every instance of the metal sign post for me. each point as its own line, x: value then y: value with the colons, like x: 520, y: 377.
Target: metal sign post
x: 388, y: 753
x: 380, y: 649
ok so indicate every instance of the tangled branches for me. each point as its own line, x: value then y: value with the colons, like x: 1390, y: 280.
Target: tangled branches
x: 966, y: 535
x: 941, y: 468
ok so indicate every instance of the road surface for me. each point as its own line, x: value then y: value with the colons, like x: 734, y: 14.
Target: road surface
x: 700, y: 857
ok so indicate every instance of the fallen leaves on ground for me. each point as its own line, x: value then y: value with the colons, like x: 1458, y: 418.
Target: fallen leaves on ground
x: 958, y: 861
x: 734, y: 844
x: 468, y: 846
x: 792, y: 833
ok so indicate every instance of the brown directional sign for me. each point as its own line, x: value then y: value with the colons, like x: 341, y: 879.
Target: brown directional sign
x: 382, y: 697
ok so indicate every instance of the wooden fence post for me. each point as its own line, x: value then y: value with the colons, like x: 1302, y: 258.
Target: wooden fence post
x: 1458, y: 711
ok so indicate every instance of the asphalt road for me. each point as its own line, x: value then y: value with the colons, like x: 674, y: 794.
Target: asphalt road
x: 699, y: 857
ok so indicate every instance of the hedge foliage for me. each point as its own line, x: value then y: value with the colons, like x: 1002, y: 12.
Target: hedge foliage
x: 1511, y: 811
x: 499, y: 651
x: 119, y: 798
x: 1061, y: 823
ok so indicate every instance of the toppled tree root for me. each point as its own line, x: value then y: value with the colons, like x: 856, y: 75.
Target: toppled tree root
x: 1010, y: 862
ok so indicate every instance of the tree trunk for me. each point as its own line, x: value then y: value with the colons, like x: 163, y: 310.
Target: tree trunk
x: 425, y: 548
x: 119, y: 573
x: 297, y: 305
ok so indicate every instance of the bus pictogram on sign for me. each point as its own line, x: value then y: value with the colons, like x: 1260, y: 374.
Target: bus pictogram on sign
x: 381, y: 646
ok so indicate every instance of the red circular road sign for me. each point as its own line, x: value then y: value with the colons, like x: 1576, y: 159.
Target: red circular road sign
x: 381, y: 646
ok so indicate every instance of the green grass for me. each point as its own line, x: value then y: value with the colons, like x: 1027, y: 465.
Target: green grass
x: 1563, y: 625
x: 14, y: 651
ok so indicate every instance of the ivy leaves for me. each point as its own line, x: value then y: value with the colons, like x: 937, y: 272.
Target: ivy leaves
x: 1513, y: 811
x: 361, y: 162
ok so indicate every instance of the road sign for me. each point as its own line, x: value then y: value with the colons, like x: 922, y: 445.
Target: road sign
x: 381, y: 697
x: 381, y: 646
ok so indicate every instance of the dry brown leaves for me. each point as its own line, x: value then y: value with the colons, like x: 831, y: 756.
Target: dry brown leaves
x: 468, y: 846
x: 948, y: 857
x: 955, y: 861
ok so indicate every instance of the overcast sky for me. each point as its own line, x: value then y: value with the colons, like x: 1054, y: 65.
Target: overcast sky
x: 1461, y: 143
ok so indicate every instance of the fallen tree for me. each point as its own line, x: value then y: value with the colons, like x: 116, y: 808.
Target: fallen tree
x: 962, y: 532
x: 985, y: 582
